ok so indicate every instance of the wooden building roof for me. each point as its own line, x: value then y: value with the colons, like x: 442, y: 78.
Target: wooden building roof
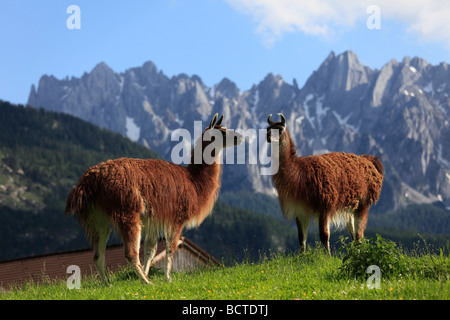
x: 54, y: 266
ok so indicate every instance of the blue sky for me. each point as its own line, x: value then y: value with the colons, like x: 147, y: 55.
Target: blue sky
x: 243, y: 40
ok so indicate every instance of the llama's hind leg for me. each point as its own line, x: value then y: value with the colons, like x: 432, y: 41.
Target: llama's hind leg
x: 172, y: 238
x: 98, y: 229
x: 361, y: 216
x: 150, y: 246
x: 131, y: 235
x: 324, y: 231
x: 351, y: 225
x: 99, y: 247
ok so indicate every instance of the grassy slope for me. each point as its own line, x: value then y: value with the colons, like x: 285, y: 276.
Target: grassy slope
x: 311, y: 276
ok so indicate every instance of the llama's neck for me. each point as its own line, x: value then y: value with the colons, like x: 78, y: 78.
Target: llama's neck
x: 286, y: 157
x: 286, y: 178
x: 287, y: 150
x: 205, y: 175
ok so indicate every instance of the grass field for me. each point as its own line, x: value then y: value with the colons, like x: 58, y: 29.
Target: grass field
x: 286, y: 276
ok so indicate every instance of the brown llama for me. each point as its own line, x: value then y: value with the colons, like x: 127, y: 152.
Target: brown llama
x: 333, y: 187
x: 154, y: 195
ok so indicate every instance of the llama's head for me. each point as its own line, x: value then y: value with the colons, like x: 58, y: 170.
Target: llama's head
x: 219, y: 136
x: 278, y: 126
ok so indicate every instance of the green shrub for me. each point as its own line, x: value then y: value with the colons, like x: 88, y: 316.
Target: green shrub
x: 391, y: 260
x: 374, y: 251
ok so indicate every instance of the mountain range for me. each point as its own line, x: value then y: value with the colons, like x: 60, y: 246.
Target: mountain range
x: 400, y: 113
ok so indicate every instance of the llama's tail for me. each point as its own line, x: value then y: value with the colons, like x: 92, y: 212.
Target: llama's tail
x: 376, y: 162
x: 80, y: 199
x: 76, y: 202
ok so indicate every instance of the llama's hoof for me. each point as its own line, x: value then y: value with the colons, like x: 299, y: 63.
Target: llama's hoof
x: 146, y: 281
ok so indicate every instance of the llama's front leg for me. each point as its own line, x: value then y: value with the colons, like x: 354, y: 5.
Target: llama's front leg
x: 324, y: 231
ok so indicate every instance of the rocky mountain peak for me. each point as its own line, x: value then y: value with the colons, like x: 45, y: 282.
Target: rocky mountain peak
x: 272, y: 80
x: 101, y: 68
x: 339, y: 74
x: 227, y: 88
x: 149, y: 67
x: 101, y: 73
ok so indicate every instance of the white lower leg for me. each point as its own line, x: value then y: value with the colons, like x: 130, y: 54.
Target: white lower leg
x: 169, y: 261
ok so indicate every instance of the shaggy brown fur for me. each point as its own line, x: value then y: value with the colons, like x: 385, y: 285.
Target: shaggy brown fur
x: 335, y: 187
x: 158, y: 196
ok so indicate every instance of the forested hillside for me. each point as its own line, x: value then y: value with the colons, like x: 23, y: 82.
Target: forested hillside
x: 42, y: 156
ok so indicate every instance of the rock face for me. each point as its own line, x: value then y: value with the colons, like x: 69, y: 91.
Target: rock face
x: 400, y: 113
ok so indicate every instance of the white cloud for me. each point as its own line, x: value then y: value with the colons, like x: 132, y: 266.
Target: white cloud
x: 427, y: 19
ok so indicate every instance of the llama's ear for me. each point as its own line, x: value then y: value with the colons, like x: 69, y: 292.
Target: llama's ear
x: 219, y: 122
x: 213, y: 121
x: 283, y: 120
x: 270, y: 122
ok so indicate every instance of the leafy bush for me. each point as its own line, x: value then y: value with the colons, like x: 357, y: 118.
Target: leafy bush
x: 374, y: 251
x: 391, y: 260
